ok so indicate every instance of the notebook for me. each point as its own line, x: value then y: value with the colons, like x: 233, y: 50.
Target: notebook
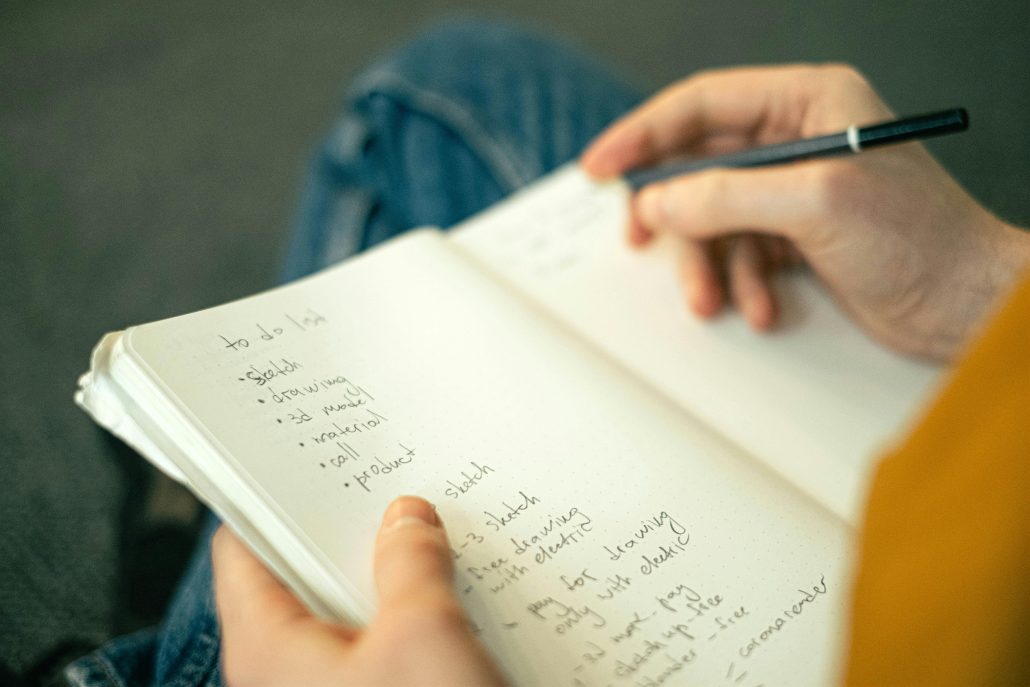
x: 632, y: 496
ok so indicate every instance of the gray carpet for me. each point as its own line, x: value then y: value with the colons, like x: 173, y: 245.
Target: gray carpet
x: 149, y: 161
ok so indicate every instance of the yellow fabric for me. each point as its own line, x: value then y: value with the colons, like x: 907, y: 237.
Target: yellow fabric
x: 942, y: 594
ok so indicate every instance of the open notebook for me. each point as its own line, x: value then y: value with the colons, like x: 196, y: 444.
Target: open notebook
x: 632, y: 496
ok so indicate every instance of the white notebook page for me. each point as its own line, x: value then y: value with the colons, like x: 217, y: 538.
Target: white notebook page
x: 600, y: 536
x: 816, y: 400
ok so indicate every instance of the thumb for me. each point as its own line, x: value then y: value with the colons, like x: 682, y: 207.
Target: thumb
x: 412, y: 564
x: 775, y: 200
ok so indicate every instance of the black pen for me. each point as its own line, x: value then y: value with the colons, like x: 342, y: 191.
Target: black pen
x: 854, y: 139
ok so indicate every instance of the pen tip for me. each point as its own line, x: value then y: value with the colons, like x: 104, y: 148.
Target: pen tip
x: 963, y: 118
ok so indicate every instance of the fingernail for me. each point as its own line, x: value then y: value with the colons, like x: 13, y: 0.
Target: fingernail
x: 650, y: 206
x: 757, y: 312
x: 696, y: 298
x: 405, y: 521
x: 704, y: 300
x: 410, y: 510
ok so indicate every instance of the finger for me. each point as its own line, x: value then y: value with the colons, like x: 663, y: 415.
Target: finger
x: 636, y: 233
x: 267, y: 635
x: 747, y: 106
x: 700, y: 276
x: 413, y: 567
x: 248, y: 597
x: 736, y: 101
x: 783, y: 201
x: 749, y: 283
x: 773, y: 249
x: 259, y: 618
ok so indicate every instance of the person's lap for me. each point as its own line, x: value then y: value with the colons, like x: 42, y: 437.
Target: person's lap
x: 438, y: 131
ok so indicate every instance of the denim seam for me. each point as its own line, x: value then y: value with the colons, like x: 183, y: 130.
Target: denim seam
x: 97, y: 668
x: 93, y: 671
x: 203, y: 665
x: 498, y: 155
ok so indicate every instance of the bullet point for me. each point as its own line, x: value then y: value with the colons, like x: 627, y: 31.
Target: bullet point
x: 261, y: 400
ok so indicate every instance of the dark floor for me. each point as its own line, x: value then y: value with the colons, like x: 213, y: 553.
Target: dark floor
x: 149, y: 161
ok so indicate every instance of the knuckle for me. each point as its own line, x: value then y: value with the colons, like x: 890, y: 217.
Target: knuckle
x: 426, y: 539
x: 438, y: 614
x: 810, y: 71
x: 422, y: 544
x: 841, y: 71
x: 692, y: 85
x: 703, y: 76
x: 427, y: 544
x: 844, y: 77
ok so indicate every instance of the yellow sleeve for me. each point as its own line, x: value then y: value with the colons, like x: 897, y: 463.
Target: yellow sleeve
x: 942, y: 594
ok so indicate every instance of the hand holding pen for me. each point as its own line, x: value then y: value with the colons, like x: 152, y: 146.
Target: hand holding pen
x: 905, y: 250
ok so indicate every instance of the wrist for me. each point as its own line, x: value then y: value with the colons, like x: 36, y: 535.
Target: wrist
x: 1015, y: 253
x: 1007, y: 258
x: 1003, y: 255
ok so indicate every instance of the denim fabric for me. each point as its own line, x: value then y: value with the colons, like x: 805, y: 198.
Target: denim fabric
x: 448, y: 125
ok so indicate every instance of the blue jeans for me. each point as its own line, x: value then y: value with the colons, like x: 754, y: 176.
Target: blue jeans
x: 442, y: 129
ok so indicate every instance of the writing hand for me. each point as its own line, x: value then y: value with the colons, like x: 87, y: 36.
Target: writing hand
x: 905, y: 250
x: 420, y: 635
